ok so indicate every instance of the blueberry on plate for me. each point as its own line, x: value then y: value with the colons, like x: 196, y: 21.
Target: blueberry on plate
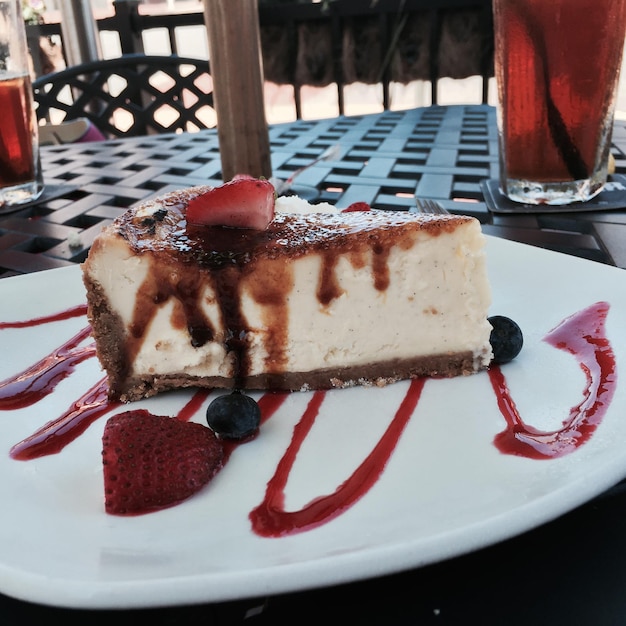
x: 506, y: 339
x: 233, y: 416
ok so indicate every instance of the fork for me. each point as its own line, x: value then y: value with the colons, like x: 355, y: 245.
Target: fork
x: 282, y: 186
x: 429, y: 207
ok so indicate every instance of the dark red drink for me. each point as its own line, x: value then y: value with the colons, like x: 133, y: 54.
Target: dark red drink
x: 557, y: 67
x: 17, y: 165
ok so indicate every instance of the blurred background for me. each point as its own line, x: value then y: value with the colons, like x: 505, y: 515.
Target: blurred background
x: 308, y: 44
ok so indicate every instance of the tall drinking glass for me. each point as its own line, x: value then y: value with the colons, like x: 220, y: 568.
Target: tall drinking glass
x: 557, y: 70
x: 20, y: 175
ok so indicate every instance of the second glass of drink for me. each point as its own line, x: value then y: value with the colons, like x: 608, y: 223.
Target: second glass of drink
x: 557, y: 71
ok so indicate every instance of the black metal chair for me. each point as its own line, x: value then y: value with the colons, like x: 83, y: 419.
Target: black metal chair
x: 131, y: 95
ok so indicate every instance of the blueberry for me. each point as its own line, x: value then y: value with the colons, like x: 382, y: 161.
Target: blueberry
x: 506, y: 339
x: 233, y: 416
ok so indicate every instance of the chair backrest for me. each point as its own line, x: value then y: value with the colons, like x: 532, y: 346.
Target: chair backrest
x: 132, y: 95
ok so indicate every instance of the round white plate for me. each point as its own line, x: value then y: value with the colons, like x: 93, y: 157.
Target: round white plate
x: 446, y: 489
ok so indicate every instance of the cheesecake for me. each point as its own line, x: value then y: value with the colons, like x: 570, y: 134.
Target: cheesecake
x: 316, y: 299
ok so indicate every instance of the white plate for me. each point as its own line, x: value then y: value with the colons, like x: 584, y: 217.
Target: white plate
x: 445, y: 491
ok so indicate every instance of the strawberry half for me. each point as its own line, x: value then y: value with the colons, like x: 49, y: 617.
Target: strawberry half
x: 244, y: 202
x: 357, y: 206
x: 151, y: 461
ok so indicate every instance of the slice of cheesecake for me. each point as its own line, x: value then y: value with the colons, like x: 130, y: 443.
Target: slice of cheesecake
x: 315, y: 300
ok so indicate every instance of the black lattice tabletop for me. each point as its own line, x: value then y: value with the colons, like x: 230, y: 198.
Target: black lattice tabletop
x: 385, y: 159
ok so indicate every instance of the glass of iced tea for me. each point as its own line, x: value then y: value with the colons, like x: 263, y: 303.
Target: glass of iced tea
x: 20, y: 175
x: 557, y: 71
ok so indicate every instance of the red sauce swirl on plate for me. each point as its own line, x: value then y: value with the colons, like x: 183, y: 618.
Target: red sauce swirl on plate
x: 581, y: 335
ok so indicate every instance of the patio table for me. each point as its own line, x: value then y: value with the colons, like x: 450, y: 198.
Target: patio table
x: 385, y: 159
x: 568, y: 571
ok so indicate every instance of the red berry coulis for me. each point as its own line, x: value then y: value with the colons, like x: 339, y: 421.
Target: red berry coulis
x: 582, y: 335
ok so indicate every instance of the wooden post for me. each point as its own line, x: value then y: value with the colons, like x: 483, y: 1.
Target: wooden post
x: 237, y: 71
x: 81, y: 38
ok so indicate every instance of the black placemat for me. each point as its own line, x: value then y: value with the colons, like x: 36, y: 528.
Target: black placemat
x: 612, y: 197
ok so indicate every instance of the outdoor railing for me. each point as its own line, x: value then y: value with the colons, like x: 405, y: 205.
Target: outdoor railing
x: 339, y: 42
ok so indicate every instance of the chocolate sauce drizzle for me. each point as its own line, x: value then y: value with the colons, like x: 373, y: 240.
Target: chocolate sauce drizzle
x: 228, y: 259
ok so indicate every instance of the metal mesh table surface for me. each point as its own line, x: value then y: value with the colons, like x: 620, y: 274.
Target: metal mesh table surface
x: 385, y: 159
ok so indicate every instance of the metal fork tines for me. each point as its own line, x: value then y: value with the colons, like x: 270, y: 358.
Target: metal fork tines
x: 429, y: 207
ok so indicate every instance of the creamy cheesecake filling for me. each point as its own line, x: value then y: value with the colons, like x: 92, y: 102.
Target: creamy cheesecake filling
x: 313, y: 302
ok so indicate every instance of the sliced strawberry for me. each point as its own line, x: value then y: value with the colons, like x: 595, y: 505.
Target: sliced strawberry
x: 357, y: 206
x: 244, y: 202
x: 151, y: 461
